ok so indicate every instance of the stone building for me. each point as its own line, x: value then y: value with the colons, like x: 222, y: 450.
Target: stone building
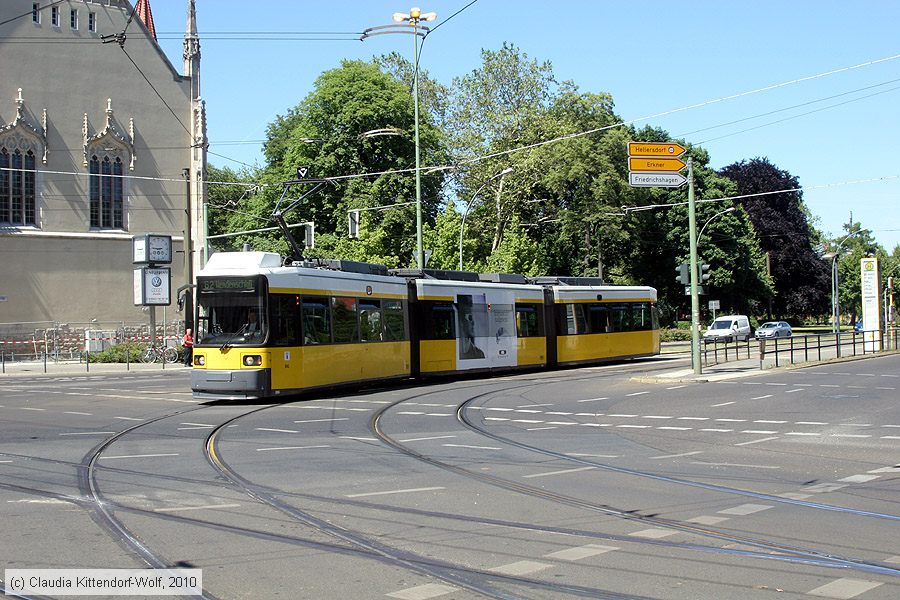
x: 101, y: 139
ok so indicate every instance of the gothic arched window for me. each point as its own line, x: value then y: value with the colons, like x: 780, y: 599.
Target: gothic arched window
x: 107, y: 193
x: 17, y: 186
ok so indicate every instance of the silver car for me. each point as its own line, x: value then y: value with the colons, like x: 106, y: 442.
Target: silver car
x: 773, y: 329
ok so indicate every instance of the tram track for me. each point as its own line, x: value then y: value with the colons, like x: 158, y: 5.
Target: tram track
x: 464, y: 577
x: 769, y: 550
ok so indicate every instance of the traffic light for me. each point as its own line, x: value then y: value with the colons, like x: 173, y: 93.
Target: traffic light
x: 353, y: 224
x: 684, y: 274
x: 702, y: 273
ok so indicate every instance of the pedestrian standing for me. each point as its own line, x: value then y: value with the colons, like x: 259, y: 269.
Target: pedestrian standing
x: 188, y: 343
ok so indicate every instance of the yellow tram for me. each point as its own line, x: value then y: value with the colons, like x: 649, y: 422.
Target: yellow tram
x: 266, y: 329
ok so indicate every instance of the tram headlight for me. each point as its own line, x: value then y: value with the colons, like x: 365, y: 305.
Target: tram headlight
x: 252, y: 360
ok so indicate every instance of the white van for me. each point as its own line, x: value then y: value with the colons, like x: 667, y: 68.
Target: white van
x: 728, y: 328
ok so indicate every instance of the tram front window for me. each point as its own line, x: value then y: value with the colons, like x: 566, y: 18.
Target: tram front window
x: 230, y: 318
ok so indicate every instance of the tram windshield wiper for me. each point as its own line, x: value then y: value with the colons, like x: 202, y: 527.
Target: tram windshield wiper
x: 231, y: 338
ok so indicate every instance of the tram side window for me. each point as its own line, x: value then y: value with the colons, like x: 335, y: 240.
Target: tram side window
x: 620, y: 317
x: 316, y: 318
x: 346, y: 324
x: 439, y: 322
x: 370, y: 320
x: 598, y: 316
x: 394, y: 324
x: 572, y: 319
x: 528, y: 320
x: 284, y: 326
x: 641, y: 316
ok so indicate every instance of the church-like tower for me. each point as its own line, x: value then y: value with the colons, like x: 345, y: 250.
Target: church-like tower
x: 199, y: 142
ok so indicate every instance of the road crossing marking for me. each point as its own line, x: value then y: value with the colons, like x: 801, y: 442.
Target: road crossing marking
x: 580, y: 552
x: 389, y: 492
x: 423, y: 592
x: 563, y: 472
x: 844, y: 588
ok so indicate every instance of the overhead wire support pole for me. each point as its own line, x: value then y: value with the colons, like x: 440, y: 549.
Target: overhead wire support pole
x: 695, y: 291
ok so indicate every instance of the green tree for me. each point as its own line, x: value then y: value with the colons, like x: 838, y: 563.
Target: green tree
x: 330, y: 132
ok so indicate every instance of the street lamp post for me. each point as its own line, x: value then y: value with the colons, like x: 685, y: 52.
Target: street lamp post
x: 404, y: 21
x: 462, y: 225
x: 708, y: 221
x: 835, y: 285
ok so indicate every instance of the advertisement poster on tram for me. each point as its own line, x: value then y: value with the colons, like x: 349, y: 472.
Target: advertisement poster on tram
x: 487, y: 330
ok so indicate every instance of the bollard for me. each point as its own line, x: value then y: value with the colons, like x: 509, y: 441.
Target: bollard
x: 45, y: 361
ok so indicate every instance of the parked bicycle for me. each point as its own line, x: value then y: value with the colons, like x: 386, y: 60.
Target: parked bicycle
x: 156, y: 353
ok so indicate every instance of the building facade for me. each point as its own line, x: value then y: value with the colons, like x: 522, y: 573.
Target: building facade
x: 101, y: 139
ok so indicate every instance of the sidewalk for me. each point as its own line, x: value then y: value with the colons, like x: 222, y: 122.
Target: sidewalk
x: 75, y: 368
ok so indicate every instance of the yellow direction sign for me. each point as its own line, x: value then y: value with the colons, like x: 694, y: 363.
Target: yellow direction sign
x: 660, y: 149
x: 655, y: 164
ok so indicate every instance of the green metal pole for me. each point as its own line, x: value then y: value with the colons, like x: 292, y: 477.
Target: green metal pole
x: 420, y: 251
x: 695, y: 295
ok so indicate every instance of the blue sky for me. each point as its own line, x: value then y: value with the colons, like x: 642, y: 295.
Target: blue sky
x: 653, y: 57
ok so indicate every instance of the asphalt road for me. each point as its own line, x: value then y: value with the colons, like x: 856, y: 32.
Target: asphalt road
x: 603, y: 482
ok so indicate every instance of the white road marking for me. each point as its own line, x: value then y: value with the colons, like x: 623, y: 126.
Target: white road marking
x: 634, y: 426
x: 751, y: 442
x: 810, y: 423
x: 580, y: 552
x: 654, y: 533
x: 496, y: 419
x: 29, y: 408
x: 500, y: 409
x: 762, y: 397
x: 562, y: 414
x: 622, y: 416
x: 850, y: 435
x: 894, y: 469
x: 539, y: 428
x: 745, y: 509
x: 533, y: 405
x: 844, y: 588
x: 208, y: 507
x: 802, y: 433
x: 90, y: 433
x: 323, y: 420
x: 439, y: 414
x: 771, y: 422
x: 522, y: 567
x: 759, y: 431
x: 592, y: 455
x: 389, y: 492
x: 859, y: 478
x: 198, y: 424
x: 410, y: 412
x: 794, y: 390
x: 730, y: 420
x: 717, y: 430
x: 424, y: 439
x: 824, y: 488
x: 563, y: 472
x: 676, y: 455
x: 676, y: 428
x: 471, y: 447
x: 528, y: 411
x: 693, y: 418
x: 712, y: 464
x: 277, y: 430
x: 675, y: 387
x: 593, y: 399
x: 423, y: 592
x: 127, y: 419
x: 890, y: 437
x: 656, y: 417
x: 828, y: 385
x: 358, y: 439
x: 707, y: 520
x: 722, y: 404
x: 637, y: 394
x: 527, y: 421
x: 290, y: 448
x: 135, y: 456
x: 794, y: 496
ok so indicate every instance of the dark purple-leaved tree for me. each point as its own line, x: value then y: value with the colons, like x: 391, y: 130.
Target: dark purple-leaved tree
x: 802, y: 279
